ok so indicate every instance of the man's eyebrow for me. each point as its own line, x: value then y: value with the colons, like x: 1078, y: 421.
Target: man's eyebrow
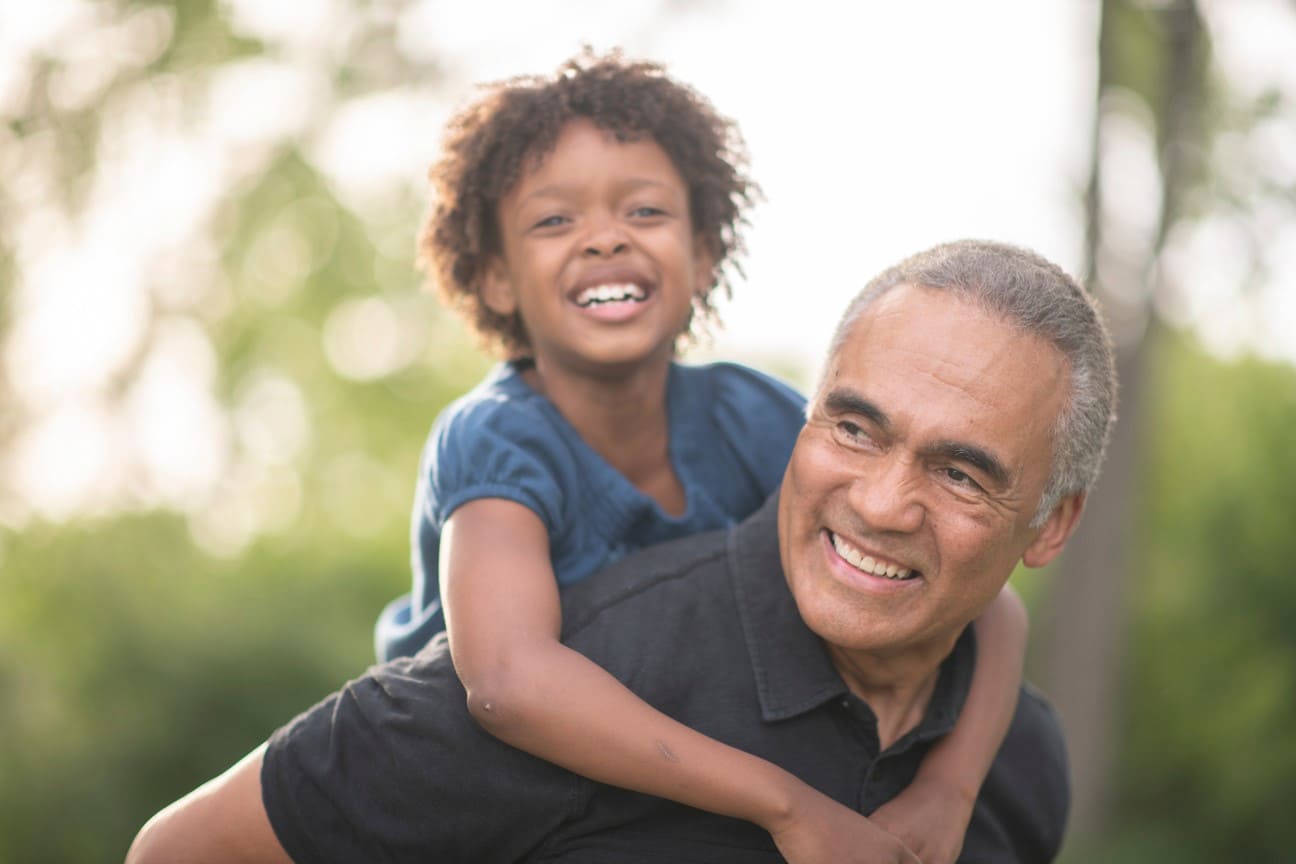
x: 970, y: 454
x: 843, y: 401
x: 840, y: 401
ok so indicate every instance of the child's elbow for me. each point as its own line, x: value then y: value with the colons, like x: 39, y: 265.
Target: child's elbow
x: 498, y: 698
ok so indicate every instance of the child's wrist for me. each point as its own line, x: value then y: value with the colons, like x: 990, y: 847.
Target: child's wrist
x: 778, y: 800
x: 951, y: 788
x: 948, y: 776
x: 787, y: 803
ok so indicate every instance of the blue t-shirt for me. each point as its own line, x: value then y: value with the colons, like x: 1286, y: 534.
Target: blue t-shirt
x: 731, y: 433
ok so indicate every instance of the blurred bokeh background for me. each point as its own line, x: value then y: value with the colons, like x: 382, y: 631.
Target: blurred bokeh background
x: 217, y: 365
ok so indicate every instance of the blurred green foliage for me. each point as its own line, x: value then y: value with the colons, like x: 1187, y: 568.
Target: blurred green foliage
x: 138, y: 657
x: 1208, y: 759
x: 133, y: 666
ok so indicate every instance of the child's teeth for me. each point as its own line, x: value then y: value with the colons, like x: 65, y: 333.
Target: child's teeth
x: 609, y: 294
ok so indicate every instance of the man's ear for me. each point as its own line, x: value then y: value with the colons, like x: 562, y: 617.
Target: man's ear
x: 1055, y: 531
x: 497, y: 289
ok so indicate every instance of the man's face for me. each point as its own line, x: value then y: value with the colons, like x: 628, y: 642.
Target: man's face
x: 909, y: 495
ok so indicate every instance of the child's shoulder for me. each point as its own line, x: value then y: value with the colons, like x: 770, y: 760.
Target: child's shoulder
x: 501, y: 436
x: 735, y: 385
x: 501, y: 396
x: 501, y: 413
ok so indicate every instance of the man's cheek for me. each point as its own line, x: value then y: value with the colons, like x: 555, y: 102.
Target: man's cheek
x: 814, y: 464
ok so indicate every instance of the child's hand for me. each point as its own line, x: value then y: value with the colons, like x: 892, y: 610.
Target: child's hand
x: 931, y: 818
x: 822, y: 831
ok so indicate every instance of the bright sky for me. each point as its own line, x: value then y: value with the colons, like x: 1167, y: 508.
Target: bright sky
x: 875, y: 129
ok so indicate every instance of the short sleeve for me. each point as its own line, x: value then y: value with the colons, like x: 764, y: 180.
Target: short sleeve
x: 496, y: 442
x: 495, y: 448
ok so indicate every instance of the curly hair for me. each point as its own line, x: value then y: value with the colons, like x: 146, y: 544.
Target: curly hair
x: 490, y: 143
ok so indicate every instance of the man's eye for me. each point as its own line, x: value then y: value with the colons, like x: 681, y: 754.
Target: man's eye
x: 962, y: 478
x: 851, y: 430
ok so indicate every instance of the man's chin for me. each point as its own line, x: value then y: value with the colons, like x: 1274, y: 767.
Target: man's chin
x: 838, y: 616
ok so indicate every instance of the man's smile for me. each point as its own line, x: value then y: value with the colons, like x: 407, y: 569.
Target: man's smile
x: 871, y: 564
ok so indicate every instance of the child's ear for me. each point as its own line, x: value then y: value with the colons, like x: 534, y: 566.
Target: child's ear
x: 703, y: 266
x: 1055, y: 531
x: 497, y: 289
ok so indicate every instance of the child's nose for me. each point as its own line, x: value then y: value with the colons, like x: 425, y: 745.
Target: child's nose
x: 606, y: 237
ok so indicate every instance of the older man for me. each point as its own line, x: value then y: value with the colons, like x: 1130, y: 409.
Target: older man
x: 961, y: 417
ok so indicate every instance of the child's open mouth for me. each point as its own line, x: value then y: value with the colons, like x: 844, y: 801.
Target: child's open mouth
x: 597, y: 295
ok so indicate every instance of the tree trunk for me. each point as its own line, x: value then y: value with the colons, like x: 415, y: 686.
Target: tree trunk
x: 1080, y: 633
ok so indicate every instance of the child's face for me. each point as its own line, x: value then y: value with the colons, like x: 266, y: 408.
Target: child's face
x: 598, y: 253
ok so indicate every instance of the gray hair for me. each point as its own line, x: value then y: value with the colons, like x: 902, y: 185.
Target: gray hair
x: 1038, y: 297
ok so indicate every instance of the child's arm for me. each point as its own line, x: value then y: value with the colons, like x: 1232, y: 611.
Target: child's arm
x: 529, y: 690
x: 931, y: 815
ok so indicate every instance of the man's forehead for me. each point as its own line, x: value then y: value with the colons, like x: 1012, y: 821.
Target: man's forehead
x: 932, y: 357
x: 931, y: 322
x: 896, y: 300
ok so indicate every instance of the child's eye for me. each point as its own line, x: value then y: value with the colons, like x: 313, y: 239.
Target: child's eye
x: 647, y: 211
x: 550, y: 222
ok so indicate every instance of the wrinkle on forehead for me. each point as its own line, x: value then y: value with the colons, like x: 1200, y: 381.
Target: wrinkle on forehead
x: 962, y: 371
x: 943, y: 354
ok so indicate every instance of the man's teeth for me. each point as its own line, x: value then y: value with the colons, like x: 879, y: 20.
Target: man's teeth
x: 611, y: 294
x: 867, y: 563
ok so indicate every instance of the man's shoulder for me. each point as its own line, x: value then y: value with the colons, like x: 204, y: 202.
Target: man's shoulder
x: 1026, y: 797
x: 1036, y: 737
x: 1038, y: 720
x: 647, y: 583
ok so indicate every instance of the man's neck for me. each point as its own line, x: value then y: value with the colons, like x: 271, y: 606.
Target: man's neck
x: 898, y: 687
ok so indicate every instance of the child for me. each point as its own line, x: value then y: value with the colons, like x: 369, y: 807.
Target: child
x: 582, y: 224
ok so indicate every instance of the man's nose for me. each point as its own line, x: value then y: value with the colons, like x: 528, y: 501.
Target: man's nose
x: 886, y: 496
x: 606, y: 236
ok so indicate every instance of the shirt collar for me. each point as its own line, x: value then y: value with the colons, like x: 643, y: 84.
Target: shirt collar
x: 792, y: 669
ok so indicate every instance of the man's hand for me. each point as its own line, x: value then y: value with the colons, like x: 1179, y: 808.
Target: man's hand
x: 821, y: 831
x: 930, y: 818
